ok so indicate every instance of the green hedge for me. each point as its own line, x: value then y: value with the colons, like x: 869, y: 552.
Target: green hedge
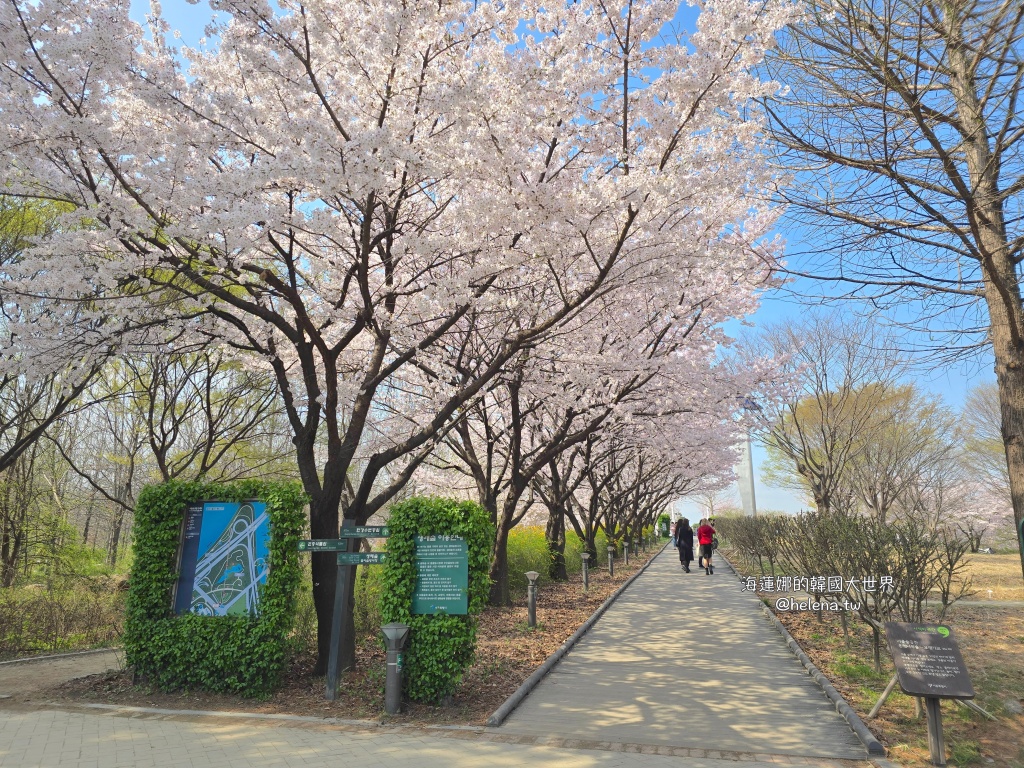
x: 224, y: 654
x: 440, y: 647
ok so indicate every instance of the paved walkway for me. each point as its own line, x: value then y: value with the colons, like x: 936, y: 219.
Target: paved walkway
x: 659, y: 682
x: 687, y: 660
x: 26, y: 676
x: 77, y: 739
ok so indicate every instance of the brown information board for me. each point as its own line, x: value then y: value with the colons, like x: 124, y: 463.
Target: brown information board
x: 928, y: 661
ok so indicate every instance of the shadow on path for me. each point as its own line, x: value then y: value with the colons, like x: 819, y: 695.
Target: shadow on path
x: 687, y: 660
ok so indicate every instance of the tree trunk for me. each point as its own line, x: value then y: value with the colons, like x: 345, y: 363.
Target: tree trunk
x: 499, y: 555
x: 11, y: 553
x: 1010, y: 375
x: 323, y: 524
x: 499, y: 569
x: 555, y: 536
x: 115, y: 538
x: 1002, y: 290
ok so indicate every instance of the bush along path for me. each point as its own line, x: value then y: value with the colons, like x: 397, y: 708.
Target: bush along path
x: 687, y: 661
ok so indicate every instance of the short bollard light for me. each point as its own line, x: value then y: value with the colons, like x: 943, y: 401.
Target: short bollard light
x: 531, y: 599
x: 586, y: 574
x: 625, y: 552
x: 636, y: 547
x: 611, y: 559
x: 395, y: 634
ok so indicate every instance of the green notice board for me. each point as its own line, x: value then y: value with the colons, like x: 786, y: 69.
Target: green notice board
x: 442, y: 575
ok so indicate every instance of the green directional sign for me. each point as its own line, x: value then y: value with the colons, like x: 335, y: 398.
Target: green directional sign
x: 365, y: 532
x: 442, y: 575
x: 361, y: 558
x: 322, y: 545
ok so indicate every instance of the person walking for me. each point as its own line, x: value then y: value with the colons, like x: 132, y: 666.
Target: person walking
x: 684, y: 540
x: 706, y: 538
x: 700, y: 554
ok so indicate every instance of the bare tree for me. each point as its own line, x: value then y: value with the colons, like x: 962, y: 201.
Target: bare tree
x: 842, y: 371
x: 910, y: 448
x: 183, y: 416
x: 983, y: 445
x: 714, y: 500
x: 904, y: 120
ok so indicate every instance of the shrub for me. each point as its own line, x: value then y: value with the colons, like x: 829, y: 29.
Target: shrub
x: 528, y: 551
x: 237, y: 654
x: 80, y: 614
x: 440, y: 646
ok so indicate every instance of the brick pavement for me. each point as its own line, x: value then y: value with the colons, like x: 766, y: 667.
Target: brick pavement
x: 58, y: 738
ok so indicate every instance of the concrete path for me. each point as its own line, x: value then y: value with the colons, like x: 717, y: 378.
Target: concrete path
x: 29, y: 675
x: 687, y: 660
x: 80, y: 739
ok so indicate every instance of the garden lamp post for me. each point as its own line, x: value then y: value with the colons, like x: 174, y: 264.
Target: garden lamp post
x: 531, y: 599
x: 395, y: 634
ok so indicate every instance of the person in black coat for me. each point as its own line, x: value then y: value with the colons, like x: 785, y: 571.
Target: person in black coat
x: 684, y: 540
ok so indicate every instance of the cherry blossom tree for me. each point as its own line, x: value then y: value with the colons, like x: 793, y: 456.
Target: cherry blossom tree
x: 30, y: 399
x: 358, y: 196
x: 618, y: 362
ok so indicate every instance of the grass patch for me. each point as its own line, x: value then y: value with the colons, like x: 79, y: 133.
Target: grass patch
x: 996, y: 577
x: 964, y: 753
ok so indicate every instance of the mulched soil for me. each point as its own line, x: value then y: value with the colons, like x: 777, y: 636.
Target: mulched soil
x: 507, y: 652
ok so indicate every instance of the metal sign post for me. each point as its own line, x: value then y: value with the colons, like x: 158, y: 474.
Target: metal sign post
x: 341, y: 590
x: 347, y: 561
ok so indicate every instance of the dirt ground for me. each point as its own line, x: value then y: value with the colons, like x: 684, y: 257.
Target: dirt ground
x: 508, y: 651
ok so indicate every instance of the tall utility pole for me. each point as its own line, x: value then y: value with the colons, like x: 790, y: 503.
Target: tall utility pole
x: 745, y: 473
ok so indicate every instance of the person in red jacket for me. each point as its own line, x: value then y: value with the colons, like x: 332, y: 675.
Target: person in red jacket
x: 706, y: 537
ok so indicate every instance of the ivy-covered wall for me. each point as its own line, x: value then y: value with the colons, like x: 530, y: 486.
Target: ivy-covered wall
x: 225, y: 654
x: 440, y: 646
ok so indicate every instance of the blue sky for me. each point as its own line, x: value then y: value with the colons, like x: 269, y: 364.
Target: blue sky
x: 951, y: 382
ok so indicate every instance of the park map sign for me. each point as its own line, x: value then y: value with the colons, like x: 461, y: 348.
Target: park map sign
x: 442, y: 575
x: 224, y: 558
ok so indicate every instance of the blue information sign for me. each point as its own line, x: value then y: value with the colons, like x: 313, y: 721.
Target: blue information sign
x: 224, y: 558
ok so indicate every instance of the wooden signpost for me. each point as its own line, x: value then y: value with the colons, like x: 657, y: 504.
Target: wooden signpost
x: 929, y: 665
